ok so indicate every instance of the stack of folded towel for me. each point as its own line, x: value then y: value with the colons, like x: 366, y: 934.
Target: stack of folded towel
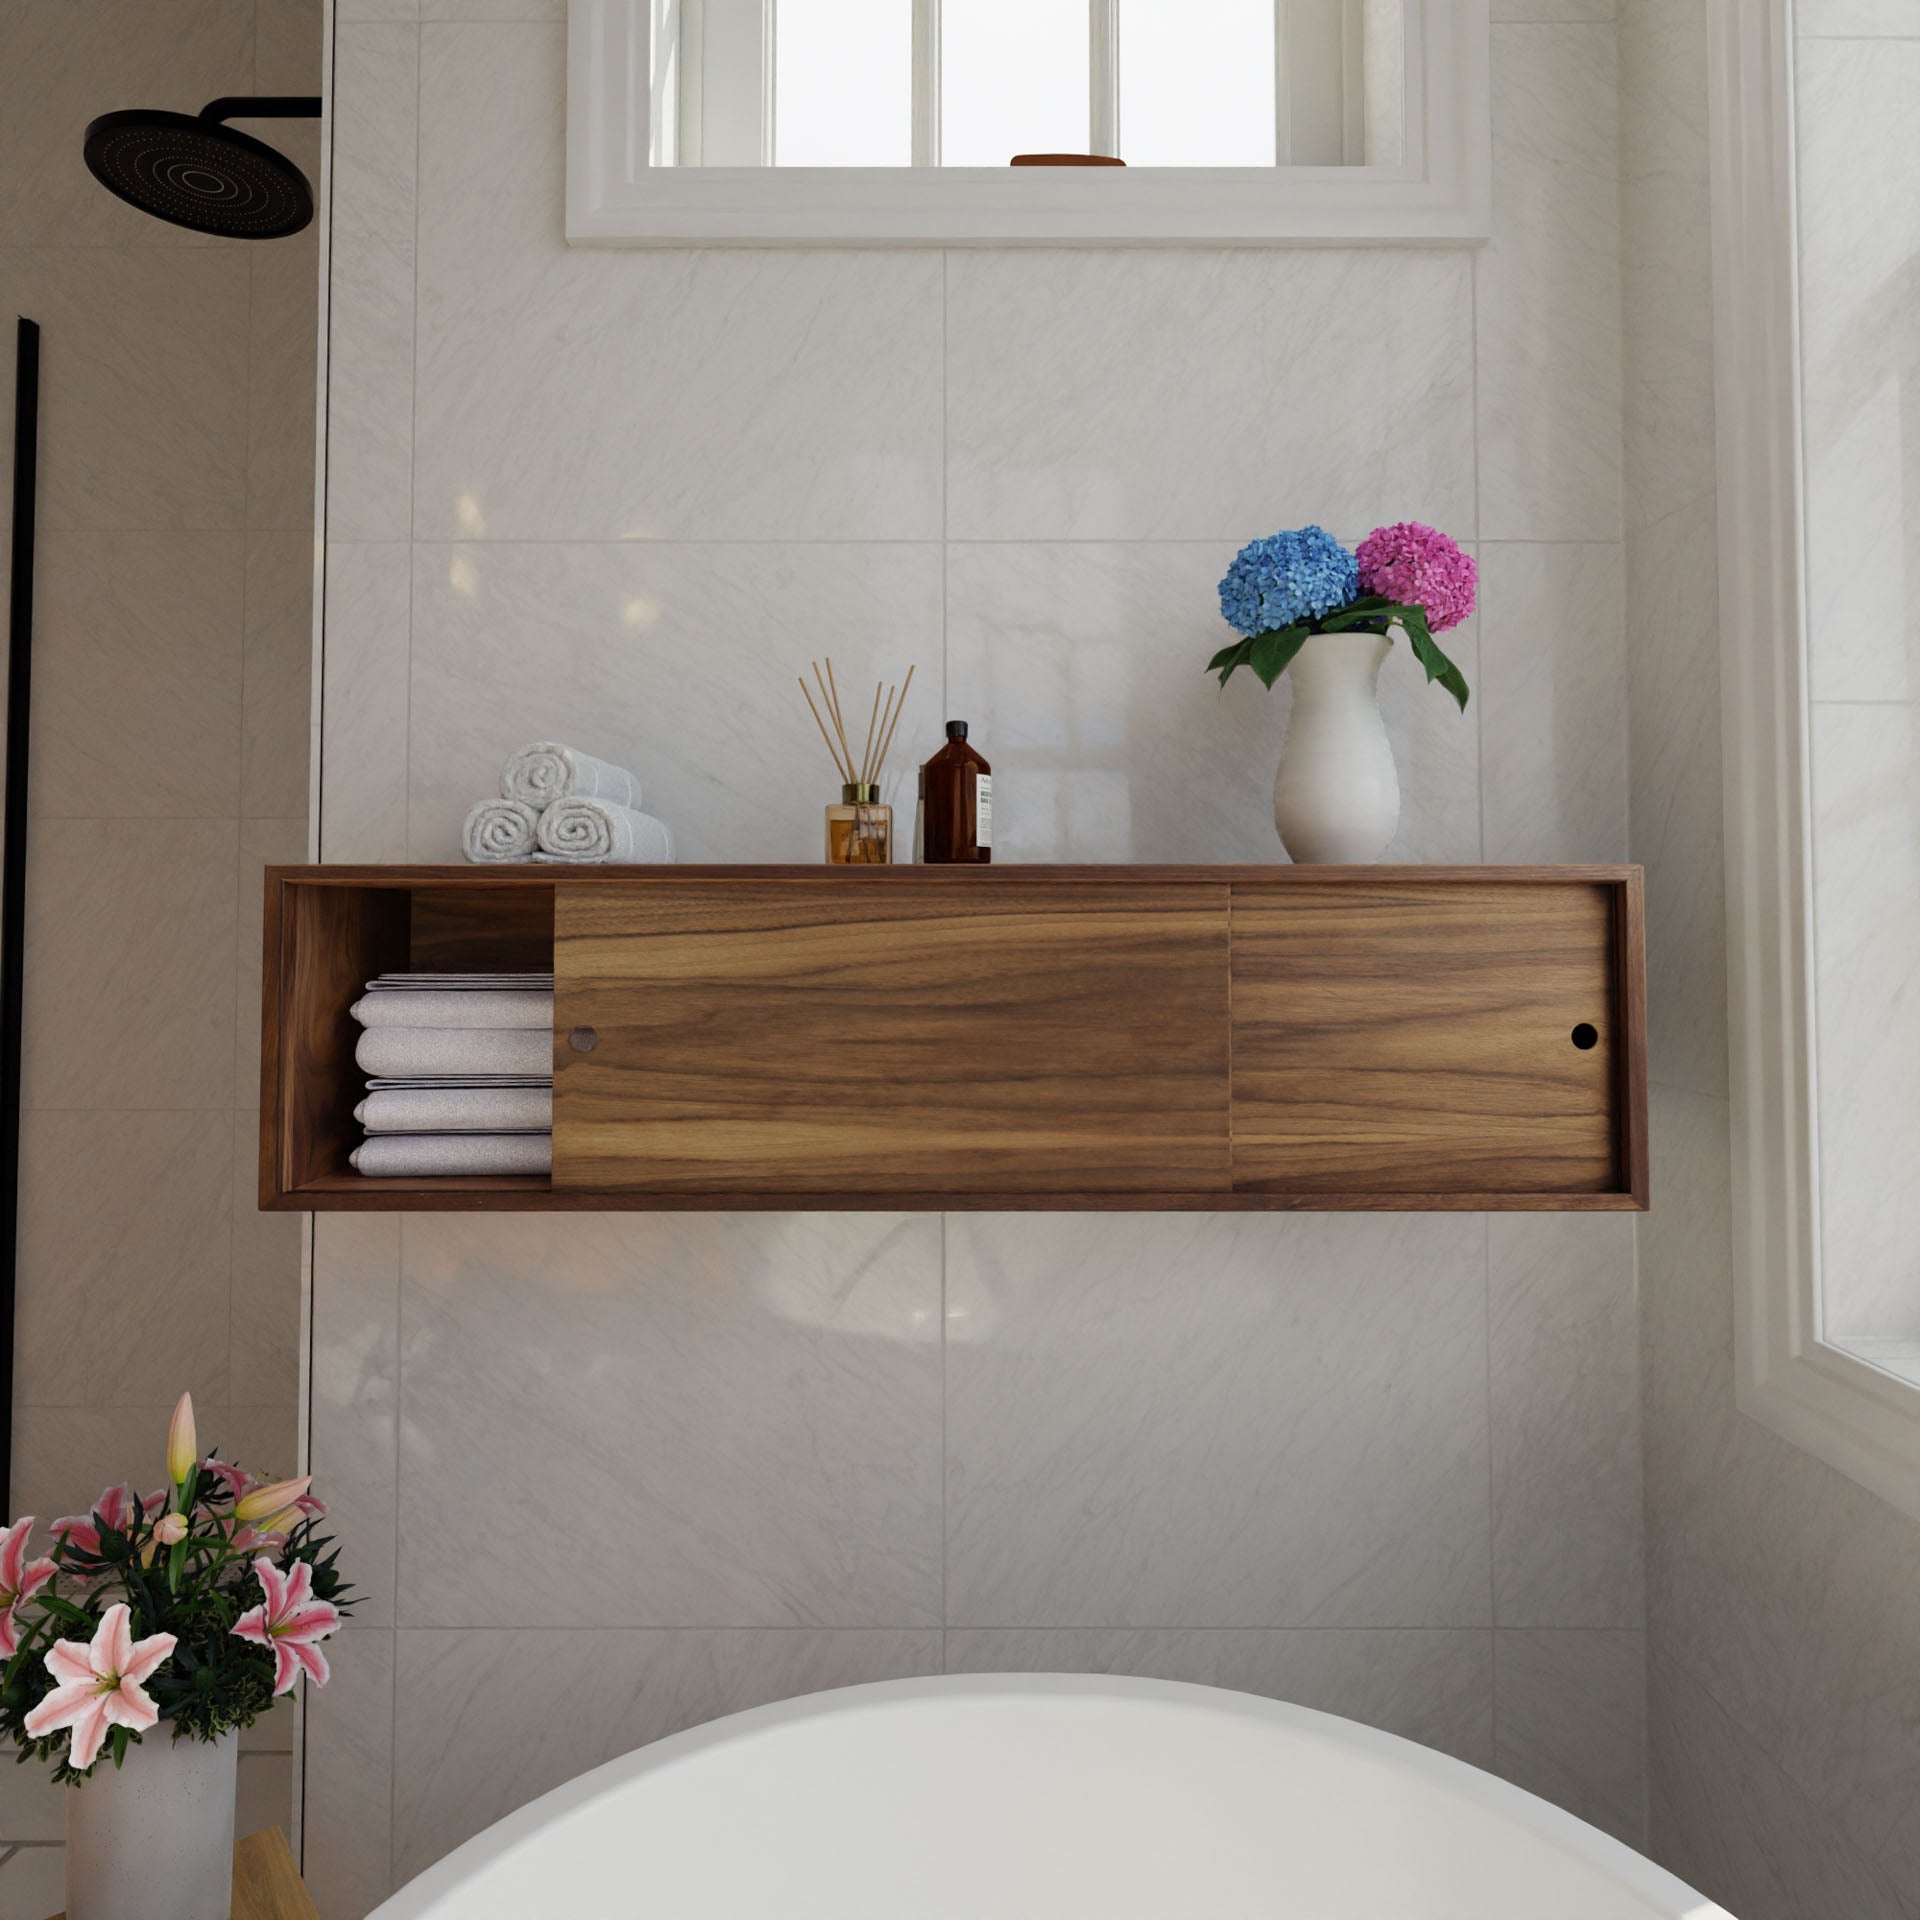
x: 563, y: 807
x: 459, y: 1074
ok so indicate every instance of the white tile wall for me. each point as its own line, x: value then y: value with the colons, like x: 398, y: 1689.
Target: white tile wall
x: 1312, y: 1457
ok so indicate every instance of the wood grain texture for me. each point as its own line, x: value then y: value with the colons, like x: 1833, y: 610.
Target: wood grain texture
x: 1395, y: 1036
x: 1439, y: 978
x: 756, y: 1036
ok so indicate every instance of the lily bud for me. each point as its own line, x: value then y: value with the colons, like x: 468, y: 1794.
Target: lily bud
x: 270, y: 1499
x: 282, y: 1523
x: 171, y: 1529
x: 183, y: 1444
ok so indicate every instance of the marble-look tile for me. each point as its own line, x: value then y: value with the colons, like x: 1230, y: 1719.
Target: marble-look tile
x: 1166, y: 395
x: 346, y: 11
x: 1216, y: 1421
x: 143, y: 383
x: 1866, y: 843
x: 1729, y: 1822
x: 1674, y: 809
x: 493, y: 9
x: 1860, y: 362
x: 363, y: 812
x: 1553, y: 11
x: 1553, y: 702
x: 264, y: 1795
x: 1548, y: 290
x: 33, y: 1880
x: 264, y: 1337
x: 346, y: 1810
x: 490, y: 1720
x: 748, y: 1403
x: 126, y: 1235
x: 1876, y: 19
x: 263, y: 844
x: 129, y: 967
x: 1667, y: 261
x: 370, y: 319
x: 677, y: 661
x: 289, y: 38
x: 65, y: 64
x: 1566, y: 1425
x: 1570, y: 1723
x: 136, y: 696
x: 569, y: 393
x: 1081, y: 668
x: 278, y: 684
x: 1433, y: 1687
x: 353, y: 1449
x: 282, y: 395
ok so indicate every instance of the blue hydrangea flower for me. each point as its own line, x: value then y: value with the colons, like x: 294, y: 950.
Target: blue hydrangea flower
x: 1286, y: 580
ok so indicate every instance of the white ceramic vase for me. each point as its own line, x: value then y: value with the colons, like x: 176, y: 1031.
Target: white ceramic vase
x: 1336, y: 798
x: 153, y: 1838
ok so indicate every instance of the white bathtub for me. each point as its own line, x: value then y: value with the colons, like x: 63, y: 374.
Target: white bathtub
x: 1040, y: 1797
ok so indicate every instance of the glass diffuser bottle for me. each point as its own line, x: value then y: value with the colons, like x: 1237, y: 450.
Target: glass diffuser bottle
x: 860, y: 828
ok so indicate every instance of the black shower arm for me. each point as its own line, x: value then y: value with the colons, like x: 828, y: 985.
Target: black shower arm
x: 264, y: 106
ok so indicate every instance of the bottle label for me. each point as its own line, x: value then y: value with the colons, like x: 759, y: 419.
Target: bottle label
x: 983, y: 809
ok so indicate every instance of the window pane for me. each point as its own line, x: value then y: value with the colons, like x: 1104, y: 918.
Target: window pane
x: 1014, y: 78
x: 843, y: 83
x: 1196, y: 83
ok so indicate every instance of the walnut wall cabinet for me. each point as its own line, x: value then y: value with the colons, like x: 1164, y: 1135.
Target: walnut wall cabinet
x: 1053, y: 1037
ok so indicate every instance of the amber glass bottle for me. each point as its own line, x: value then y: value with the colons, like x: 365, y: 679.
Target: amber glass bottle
x: 956, y: 804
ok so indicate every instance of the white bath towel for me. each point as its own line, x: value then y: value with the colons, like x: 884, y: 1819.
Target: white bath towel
x: 596, y: 831
x: 399, y: 1155
x: 458, y: 1110
x: 431, y: 1007
x: 500, y: 830
x: 547, y: 771
x: 409, y: 1053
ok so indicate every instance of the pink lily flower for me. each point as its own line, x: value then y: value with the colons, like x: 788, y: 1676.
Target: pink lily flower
x: 236, y: 1480
x: 290, y: 1621
x: 20, y: 1579
x: 99, y: 1686
x: 114, y: 1509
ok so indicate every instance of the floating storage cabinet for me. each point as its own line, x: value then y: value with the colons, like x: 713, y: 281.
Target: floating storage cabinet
x: 949, y: 1037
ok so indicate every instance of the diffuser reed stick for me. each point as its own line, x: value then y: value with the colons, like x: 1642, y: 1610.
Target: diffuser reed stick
x: 860, y: 828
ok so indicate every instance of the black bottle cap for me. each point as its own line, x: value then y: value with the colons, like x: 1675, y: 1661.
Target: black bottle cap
x: 956, y: 729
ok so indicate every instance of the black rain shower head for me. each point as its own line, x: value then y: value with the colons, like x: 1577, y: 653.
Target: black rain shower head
x: 197, y: 172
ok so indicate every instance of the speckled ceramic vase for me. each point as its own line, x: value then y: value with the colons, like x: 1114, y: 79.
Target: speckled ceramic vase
x: 1336, y: 799
x: 153, y: 1839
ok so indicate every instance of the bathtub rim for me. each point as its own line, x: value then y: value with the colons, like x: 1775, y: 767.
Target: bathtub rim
x: 1641, y: 1877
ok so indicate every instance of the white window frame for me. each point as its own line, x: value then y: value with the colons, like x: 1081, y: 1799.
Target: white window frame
x: 1440, y: 195
x: 1857, y: 1418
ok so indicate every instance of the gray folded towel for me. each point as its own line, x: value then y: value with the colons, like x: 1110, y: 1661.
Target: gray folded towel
x: 399, y: 1155
x: 431, y: 1007
x: 458, y: 1110
x: 547, y: 771
x: 499, y: 830
x: 408, y: 1053
x: 594, y: 831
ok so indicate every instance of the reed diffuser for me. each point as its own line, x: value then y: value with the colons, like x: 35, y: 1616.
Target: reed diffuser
x: 860, y: 828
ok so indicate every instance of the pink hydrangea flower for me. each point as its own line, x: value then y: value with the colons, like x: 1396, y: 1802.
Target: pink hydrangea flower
x: 1417, y: 567
x: 99, y: 1686
x: 20, y: 1579
x: 291, y: 1622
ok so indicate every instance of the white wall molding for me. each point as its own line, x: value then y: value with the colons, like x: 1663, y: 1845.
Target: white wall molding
x: 616, y: 197
x: 1861, y: 1420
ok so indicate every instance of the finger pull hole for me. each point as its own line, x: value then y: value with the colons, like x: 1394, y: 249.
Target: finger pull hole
x: 584, y: 1040
x: 1585, y: 1036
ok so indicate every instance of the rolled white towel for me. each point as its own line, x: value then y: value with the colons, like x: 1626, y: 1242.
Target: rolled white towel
x: 408, y: 1053
x: 592, y: 831
x: 500, y: 830
x: 547, y: 771
x: 458, y: 1110
x: 399, y: 1155
x: 428, y: 1007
